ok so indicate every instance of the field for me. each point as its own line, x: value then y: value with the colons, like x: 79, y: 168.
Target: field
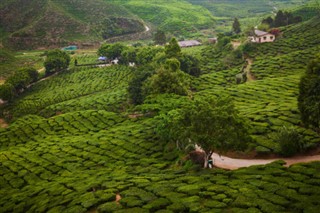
x: 75, y: 144
x: 10, y: 62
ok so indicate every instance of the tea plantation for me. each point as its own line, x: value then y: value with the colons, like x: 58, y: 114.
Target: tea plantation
x: 75, y: 145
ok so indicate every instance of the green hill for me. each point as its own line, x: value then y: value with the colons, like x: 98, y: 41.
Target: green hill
x: 74, y: 145
x: 47, y: 23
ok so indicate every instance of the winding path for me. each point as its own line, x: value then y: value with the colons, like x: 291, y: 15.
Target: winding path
x: 232, y: 163
x: 250, y: 76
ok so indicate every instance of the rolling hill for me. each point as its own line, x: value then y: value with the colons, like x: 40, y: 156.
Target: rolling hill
x: 75, y: 147
x: 35, y: 23
x: 53, y: 23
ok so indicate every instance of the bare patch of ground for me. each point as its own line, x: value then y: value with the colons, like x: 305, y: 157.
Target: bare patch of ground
x: 3, y: 123
x: 118, y: 198
x: 250, y: 76
x: 235, y: 44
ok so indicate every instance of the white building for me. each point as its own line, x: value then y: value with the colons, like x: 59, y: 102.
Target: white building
x: 190, y: 43
x: 262, y: 37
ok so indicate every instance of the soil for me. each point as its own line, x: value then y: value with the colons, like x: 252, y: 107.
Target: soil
x: 118, y: 198
x: 230, y: 163
x: 136, y: 115
x: 235, y: 44
x: 250, y: 76
x: 3, y: 123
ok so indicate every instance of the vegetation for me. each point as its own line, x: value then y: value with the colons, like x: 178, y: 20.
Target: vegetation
x: 75, y: 142
x: 57, y: 60
x: 282, y: 19
x: 160, y: 37
x: 17, y: 83
x: 290, y: 141
x: 211, y: 123
x: 309, y: 97
x: 236, y: 26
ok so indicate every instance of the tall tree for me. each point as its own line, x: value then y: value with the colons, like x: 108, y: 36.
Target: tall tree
x: 309, y: 96
x: 168, y: 79
x: 236, y: 26
x: 56, y: 60
x: 172, y: 49
x: 280, y: 19
x: 160, y: 37
x: 214, y: 124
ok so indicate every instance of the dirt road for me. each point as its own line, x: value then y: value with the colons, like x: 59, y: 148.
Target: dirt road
x: 232, y: 164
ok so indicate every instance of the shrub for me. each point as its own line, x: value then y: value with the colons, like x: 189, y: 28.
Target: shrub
x: 290, y: 141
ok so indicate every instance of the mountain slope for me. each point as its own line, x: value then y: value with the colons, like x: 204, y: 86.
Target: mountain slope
x: 46, y: 23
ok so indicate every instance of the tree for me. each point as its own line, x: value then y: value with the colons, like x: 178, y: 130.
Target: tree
x: 309, y: 95
x: 213, y: 124
x: 172, y: 49
x: 128, y: 55
x: 236, y: 26
x: 19, y: 80
x: 280, y: 19
x: 189, y: 64
x: 160, y: 37
x: 111, y: 51
x: 32, y: 72
x: 135, y: 90
x: 56, y: 60
x: 269, y: 21
x: 168, y: 79
x: 6, y: 92
x: 146, y: 55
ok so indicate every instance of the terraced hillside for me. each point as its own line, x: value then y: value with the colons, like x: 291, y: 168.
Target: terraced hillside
x: 74, y: 145
x: 82, y: 161
x: 177, y: 17
x: 35, y: 23
x: 270, y: 102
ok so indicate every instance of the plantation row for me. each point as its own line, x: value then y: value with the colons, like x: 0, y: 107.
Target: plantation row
x: 67, y: 88
x: 295, y: 37
x: 283, y: 65
x: 81, y: 173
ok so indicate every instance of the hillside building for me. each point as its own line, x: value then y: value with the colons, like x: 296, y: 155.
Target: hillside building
x: 190, y: 43
x: 262, y: 37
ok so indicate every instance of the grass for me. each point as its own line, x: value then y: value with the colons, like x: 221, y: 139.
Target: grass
x: 10, y: 62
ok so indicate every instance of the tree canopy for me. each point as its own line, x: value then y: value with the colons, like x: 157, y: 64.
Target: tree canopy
x: 236, y: 26
x: 212, y: 123
x: 56, y: 60
x: 309, y: 96
x: 160, y: 37
x: 168, y: 79
x: 172, y: 49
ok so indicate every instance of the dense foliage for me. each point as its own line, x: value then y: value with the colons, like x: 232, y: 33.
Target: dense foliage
x: 282, y: 19
x: 309, y: 96
x: 290, y: 141
x: 17, y: 82
x: 57, y: 60
x: 236, y: 26
x: 211, y: 123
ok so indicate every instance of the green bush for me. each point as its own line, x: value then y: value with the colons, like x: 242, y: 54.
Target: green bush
x: 290, y: 141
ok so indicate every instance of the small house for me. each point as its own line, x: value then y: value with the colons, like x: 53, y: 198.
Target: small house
x: 190, y: 43
x: 262, y: 37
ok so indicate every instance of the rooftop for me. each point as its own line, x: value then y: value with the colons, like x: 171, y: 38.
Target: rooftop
x: 189, y: 43
x: 260, y: 33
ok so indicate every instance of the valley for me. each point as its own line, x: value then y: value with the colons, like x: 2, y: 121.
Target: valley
x: 114, y: 126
